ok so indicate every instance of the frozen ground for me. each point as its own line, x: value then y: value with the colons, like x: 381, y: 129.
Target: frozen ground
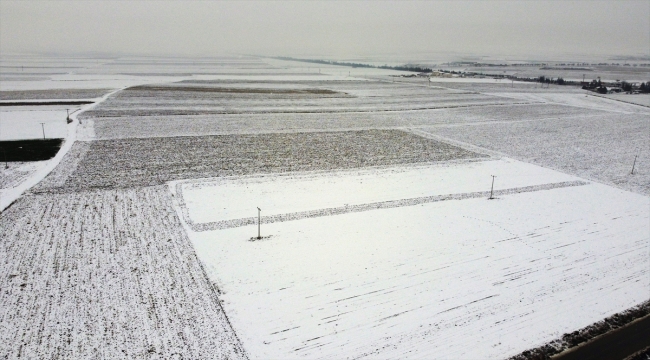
x: 154, y: 161
x: 423, y: 281
x: 95, y: 261
x: 108, y: 274
x: 194, y: 125
x: 643, y: 99
x: 235, y: 97
x: 351, y: 188
x: 53, y: 94
x: 601, y: 148
x: 585, y: 101
x: 24, y: 122
x: 17, y: 172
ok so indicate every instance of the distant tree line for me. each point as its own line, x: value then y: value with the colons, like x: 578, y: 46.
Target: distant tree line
x: 413, y: 68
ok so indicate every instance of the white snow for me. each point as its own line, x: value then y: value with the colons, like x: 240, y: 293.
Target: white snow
x: 9, y: 195
x: 421, y: 281
x: 233, y: 198
x: 25, y: 123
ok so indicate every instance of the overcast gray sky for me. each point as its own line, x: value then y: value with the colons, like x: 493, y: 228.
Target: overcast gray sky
x: 329, y: 28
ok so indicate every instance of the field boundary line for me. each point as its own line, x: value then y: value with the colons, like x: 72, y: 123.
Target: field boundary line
x: 233, y: 223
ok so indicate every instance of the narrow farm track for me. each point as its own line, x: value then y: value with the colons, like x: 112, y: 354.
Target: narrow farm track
x: 105, y: 274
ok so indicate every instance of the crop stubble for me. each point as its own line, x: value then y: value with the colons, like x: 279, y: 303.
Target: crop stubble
x: 153, y: 161
x: 106, y: 274
x: 602, y: 147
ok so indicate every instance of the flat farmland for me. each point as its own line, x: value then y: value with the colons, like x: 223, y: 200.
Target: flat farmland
x: 24, y: 122
x: 17, y: 171
x: 195, y: 125
x: 190, y: 98
x: 602, y: 148
x: 424, y: 280
x: 378, y: 238
x: 104, y: 275
x: 53, y: 94
x: 153, y: 161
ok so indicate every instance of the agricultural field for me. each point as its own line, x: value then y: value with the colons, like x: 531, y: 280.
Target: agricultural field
x: 420, y: 277
x: 124, y: 163
x: 641, y: 99
x: 196, y: 125
x: 303, y: 97
x: 602, y: 148
x: 15, y: 172
x: 377, y: 236
x: 53, y: 94
x: 24, y: 122
x: 102, y: 275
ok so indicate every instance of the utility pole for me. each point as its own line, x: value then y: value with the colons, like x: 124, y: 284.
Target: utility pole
x: 43, y: 128
x: 259, y: 236
x: 67, y: 118
x: 634, y: 163
x: 492, y: 189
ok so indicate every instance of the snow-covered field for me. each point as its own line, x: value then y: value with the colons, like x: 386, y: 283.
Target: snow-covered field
x: 194, y: 125
x: 379, y: 240
x: 420, y: 281
x: 24, y: 122
x: 16, y: 172
x: 211, y: 201
x: 641, y: 99
x: 107, y: 274
x: 57, y: 94
x: 127, y: 163
x: 601, y: 148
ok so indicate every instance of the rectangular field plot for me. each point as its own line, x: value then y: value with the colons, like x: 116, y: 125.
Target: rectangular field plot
x: 598, y: 147
x: 154, y: 161
x: 452, y: 279
x: 237, y: 197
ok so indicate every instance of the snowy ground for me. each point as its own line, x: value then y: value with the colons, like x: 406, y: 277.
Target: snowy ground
x: 422, y: 281
x: 153, y: 161
x: 211, y: 201
x: 95, y: 262
x: 641, y: 99
x: 108, y: 274
x: 24, y: 122
x: 601, y: 148
x: 16, y: 172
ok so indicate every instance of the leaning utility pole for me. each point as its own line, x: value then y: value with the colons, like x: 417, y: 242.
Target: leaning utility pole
x: 43, y: 128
